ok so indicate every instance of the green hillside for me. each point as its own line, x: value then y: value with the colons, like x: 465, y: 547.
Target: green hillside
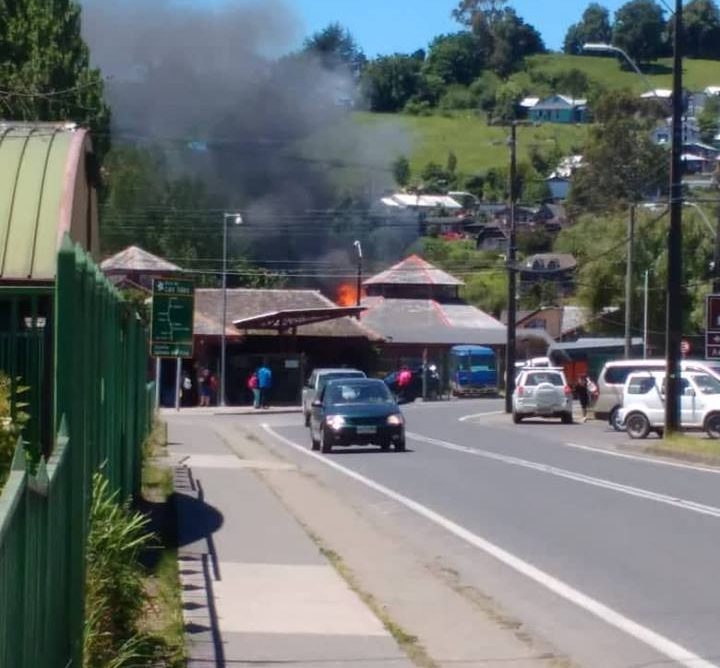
x: 697, y: 73
x: 476, y: 145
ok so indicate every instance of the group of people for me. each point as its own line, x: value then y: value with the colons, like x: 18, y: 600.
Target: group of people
x: 206, y: 384
x: 260, y: 383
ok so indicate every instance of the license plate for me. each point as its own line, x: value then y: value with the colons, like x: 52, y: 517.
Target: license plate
x: 366, y: 430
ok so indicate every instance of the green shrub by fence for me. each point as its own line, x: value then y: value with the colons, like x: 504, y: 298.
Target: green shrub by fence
x: 99, y: 365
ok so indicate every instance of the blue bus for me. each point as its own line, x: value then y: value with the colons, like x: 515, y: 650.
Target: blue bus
x: 473, y: 370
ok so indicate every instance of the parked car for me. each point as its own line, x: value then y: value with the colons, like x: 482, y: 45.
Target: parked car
x: 414, y: 389
x: 358, y: 411
x: 317, y: 381
x: 612, y: 379
x: 542, y: 392
x: 643, y: 409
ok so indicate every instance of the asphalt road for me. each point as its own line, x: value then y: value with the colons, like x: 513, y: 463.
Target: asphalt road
x: 612, y: 558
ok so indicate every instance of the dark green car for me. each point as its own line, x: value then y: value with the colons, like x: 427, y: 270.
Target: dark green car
x: 356, y: 411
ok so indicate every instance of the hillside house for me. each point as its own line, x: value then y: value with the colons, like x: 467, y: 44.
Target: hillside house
x: 560, y: 109
x: 556, y: 268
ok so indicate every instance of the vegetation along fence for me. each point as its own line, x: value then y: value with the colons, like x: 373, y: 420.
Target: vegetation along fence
x: 92, y: 389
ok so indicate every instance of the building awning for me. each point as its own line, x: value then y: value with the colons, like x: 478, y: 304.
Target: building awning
x: 289, y: 319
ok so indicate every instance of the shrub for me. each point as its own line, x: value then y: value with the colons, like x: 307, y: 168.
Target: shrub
x: 115, y: 589
x: 10, y: 429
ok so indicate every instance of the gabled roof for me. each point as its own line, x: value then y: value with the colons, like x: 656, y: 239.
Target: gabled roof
x: 418, y: 321
x: 413, y: 270
x: 134, y: 258
x: 559, y: 102
x: 41, y: 165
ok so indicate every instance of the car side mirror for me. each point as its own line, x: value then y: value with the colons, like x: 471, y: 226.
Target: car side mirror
x: 317, y: 403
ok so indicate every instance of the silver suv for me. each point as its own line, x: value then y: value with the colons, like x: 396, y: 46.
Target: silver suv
x: 542, y: 392
x: 612, y: 378
x: 316, y: 382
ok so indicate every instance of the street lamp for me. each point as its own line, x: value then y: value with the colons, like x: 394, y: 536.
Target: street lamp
x: 673, y: 326
x: 602, y: 47
x: 358, y: 247
x: 237, y: 220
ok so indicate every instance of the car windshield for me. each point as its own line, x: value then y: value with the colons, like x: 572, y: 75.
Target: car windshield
x: 537, y: 378
x: 706, y: 383
x: 358, y: 393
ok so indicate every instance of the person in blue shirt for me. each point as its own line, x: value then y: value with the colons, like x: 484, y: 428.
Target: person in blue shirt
x: 264, y: 383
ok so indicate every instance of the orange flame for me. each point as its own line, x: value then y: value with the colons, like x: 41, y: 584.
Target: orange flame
x: 346, y: 295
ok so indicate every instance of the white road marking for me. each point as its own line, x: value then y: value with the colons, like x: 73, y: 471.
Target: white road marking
x: 639, y: 492
x: 648, y: 459
x: 656, y: 641
x: 465, y: 418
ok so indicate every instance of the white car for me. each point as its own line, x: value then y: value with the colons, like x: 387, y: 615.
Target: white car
x: 542, y: 392
x: 317, y: 380
x: 643, y: 408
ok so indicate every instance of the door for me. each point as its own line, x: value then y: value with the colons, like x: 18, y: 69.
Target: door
x: 688, y: 404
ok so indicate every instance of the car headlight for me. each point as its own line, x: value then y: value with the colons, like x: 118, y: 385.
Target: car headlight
x: 335, y: 421
x: 395, y: 420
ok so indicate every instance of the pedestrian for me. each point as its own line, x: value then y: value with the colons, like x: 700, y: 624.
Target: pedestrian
x: 204, y: 387
x: 185, y: 390
x: 404, y: 378
x: 264, y: 383
x: 213, y: 382
x: 252, y: 383
x: 582, y: 392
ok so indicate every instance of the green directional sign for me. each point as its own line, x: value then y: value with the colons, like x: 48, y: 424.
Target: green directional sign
x: 172, y: 318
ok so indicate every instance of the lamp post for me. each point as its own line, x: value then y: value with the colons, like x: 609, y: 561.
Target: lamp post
x: 673, y: 326
x: 602, y: 47
x: 512, y: 277
x: 237, y: 220
x: 358, y: 289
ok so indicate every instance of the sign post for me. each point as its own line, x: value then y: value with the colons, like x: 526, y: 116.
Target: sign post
x: 712, y: 327
x: 171, y: 334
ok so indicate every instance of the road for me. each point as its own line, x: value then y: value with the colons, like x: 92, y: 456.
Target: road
x: 611, y: 558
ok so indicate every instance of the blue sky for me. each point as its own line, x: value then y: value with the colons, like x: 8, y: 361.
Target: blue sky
x: 386, y: 26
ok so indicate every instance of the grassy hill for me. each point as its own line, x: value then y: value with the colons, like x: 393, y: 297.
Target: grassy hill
x: 697, y: 74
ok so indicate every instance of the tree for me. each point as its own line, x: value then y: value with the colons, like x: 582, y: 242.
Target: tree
x: 401, y: 171
x: 513, y: 41
x: 457, y: 58
x: 468, y: 11
x: 336, y: 48
x: 594, y: 26
x: 702, y: 29
x: 388, y: 82
x: 45, y: 67
x: 638, y: 30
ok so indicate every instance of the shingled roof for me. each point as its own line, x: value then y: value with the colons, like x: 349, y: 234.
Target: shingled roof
x: 413, y: 270
x: 243, y: 303
x: 134, y: 258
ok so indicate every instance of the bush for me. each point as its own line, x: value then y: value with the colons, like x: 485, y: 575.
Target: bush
x: 458, y: 97
x: 10, y: 429
x: 115, y: 589
x: 416, y: 107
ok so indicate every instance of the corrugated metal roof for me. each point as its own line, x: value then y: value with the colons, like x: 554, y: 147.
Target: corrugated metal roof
x: 134, y: 258
x: 33, y: 175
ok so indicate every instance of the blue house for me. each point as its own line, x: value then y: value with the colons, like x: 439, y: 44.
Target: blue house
x: 559, y: 109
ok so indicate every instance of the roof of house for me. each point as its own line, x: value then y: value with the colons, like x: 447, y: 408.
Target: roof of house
x: 559, y: 102
x: 244, y: 303
x: 529, y: 102
x: 134, y: 258
x: 663, y: 93
x: 39, y: 165
x: 413, y: 270
x: 713, y: 90
x: 415, y: 321
x: 411, y: 200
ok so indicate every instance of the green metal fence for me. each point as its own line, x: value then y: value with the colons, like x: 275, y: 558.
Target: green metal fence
x: 98, y: 375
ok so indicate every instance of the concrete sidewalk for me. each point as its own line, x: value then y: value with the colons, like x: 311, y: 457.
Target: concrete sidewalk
x: 228, y: 410
x: 256, y: 589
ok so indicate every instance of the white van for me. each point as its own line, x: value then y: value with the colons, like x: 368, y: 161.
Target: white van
x: 612, y: 378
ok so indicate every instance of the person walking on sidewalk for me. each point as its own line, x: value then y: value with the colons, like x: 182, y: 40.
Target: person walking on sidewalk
x: 264, y: 381
x: 582, y: 392
x: 252, y: 383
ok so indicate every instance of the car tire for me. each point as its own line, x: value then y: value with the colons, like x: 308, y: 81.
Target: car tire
x: 712, y: 425
x: 614, y: 419
x: 385, y: 446
x: 315, y: 444
x: 400, y: 446
x: 517, y: 418
x: 325, y: 444
x: 637, y: 425
x: 566, y: 418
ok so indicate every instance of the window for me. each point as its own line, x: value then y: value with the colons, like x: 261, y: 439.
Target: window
x: 707, y: 384
x: 617, y: 375
x: 537, y: 378
x: 641, y: 385
x: 553, y: 264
